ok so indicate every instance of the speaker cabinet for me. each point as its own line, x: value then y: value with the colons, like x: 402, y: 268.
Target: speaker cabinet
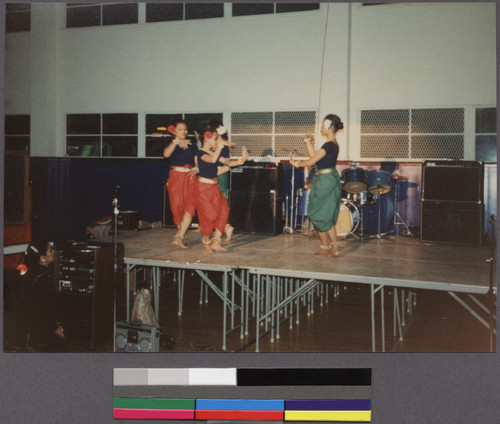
x: 131, y: 337
x: 452, y: 209
x: 84, y: 277
x: 256, y: 212
x: 452, y: 222
x: 258, y: 177
x: 455, y: 181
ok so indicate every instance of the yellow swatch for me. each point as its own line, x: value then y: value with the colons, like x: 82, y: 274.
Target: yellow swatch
x: 328, y: 416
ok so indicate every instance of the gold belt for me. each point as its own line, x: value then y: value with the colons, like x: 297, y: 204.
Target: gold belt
x: 325, y: 171
x: 207, y: 180
x: 181, y: 169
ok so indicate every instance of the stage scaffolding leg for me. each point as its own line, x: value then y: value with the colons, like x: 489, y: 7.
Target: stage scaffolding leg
x: 257, y: 315
x: 373, y: 292
x: 224, y: 318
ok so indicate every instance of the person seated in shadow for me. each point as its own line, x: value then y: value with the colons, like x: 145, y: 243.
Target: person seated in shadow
x: 45, y: 330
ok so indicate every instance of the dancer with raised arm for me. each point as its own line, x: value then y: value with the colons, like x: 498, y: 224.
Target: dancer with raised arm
x: 326, y: 191
x: 182, y: 179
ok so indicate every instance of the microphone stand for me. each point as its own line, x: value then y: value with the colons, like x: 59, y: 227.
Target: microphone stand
x: 491, y: 294
x: 115, y: 266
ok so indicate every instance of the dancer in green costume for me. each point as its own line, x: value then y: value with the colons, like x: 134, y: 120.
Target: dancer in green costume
x: 326, y: 191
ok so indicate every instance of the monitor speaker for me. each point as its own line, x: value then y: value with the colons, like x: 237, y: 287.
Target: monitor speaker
x: 455, y: 181
x: 132, y: 337
x: 256, y: 212
x: 452, y: 222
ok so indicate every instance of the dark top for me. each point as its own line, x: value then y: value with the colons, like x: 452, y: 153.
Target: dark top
x: 181, y: 157
x: 206, y: 169
x: 330, y: 159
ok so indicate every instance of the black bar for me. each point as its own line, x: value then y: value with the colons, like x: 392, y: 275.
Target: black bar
x: 304, y: 377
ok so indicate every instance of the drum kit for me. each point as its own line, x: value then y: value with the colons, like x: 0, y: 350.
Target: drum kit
x: 360, y: 189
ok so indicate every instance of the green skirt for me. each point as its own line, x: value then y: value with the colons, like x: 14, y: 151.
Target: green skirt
x: 223, y: 183
x: 324, y: 201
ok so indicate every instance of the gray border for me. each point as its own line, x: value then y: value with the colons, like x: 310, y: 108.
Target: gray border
x: 406, y: 388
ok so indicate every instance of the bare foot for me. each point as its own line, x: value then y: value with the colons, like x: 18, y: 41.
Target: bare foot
x: 334, y: 250
x: 322, y: 252
x: 216, y: 247
x: 177, y: 241
x: 207, y: 248
x: 229, y: 232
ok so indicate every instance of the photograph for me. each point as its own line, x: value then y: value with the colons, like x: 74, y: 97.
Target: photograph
x: 252, y: 185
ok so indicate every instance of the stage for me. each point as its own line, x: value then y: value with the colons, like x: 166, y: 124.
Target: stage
x: 290, y: 283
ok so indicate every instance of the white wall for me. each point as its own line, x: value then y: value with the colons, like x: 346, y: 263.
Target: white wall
x: 378, y: 56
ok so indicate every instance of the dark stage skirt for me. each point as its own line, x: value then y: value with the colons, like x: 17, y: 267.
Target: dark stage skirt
x: 181, y: 192
x: 324, y: 200
x: 212, y: 208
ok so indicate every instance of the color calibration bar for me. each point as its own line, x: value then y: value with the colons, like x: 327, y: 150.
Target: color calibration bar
x: 228, y: 386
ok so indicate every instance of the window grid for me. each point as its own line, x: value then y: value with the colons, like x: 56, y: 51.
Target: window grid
x: 272, y: 133
x: 427, y: 134
x: 91, y: 144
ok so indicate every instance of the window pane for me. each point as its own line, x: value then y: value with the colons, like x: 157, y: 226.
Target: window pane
x: 157, y: 12
x: 119, y: 123
x: 244, y: 9
x: 155, y: 145
x: 17, y: 143
x: 251, y: 123
x: 486, y: 120
x: 197, y: 121
x: 116, y: 14
x: 295, y: 7
x: 203, y: 11
x: 83, y: 146
x: 437, y: 121
x: 84, y: 123
x: 83, y: 16
x: 163, y: 120
x: 17, y: 124
x: 18, y: 21
x: 119, y: 146
x: 486, y: 148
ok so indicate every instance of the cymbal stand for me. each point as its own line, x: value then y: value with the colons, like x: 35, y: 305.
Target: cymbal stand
x: 396, y: 217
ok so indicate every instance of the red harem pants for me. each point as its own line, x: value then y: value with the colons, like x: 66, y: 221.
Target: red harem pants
x: 212, y: 208
x: 181, y: 189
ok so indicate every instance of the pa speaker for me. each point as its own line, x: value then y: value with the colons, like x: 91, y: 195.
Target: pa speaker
x: 257, y: 177
x: 256, y: 212
x: 452, y: 222
x: 131, y: 337
x: 454, y: 181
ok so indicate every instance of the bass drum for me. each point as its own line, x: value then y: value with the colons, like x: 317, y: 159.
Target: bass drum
x: 348, y: 220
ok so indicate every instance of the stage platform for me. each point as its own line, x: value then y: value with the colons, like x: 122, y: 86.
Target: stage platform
x: 398, y: 262
x: 395, y: 261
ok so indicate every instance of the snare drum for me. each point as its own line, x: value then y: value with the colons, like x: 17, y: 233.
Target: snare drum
x: 354, y: 180
x: 348, y: 219
x: 379, y: 182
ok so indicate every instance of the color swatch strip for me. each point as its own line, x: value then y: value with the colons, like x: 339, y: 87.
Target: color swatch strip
x: 272, y: 394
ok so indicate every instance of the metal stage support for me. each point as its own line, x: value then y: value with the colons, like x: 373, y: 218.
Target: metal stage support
x: 228, y: 300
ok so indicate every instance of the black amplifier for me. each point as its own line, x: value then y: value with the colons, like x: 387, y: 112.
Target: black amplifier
x: 76, y: 265
x: 84, y: 277
x: 134, y: 337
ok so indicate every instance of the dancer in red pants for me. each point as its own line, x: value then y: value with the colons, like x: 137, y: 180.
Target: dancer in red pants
x: 182, y: 179
x: 211, y: 205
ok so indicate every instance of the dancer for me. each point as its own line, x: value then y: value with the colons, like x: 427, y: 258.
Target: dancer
x: 225, y: 163
x: 181, y: 182
x: 326, y: 191
x: 211, y: 205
